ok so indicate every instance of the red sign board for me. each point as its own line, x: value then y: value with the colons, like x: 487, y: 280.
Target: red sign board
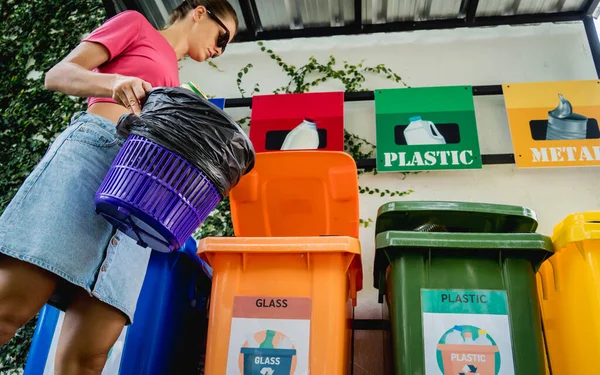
x: 308, y: 121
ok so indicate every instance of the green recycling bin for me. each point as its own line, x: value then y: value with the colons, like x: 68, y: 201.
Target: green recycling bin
x: 458, y: 281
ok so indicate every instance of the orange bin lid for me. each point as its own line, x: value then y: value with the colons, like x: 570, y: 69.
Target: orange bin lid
x: 211, y: 246
x: 297, y: 193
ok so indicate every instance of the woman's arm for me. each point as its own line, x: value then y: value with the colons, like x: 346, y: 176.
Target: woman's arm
x: 74, y: 76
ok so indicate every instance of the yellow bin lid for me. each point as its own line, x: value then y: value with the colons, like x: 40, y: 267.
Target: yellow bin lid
x: 577, y: 227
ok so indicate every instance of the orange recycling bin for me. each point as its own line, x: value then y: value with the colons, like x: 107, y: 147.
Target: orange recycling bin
x: 569, y: 290
x: 283, y: 288
x: 281, y: 304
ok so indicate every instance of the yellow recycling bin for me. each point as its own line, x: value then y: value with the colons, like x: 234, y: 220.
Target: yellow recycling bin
x: 569, y: 292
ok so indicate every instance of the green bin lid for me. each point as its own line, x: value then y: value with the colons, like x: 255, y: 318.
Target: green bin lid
x: 429, y: 216
x: 388, y: 244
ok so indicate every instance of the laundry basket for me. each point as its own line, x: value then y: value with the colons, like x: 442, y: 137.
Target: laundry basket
x: 179, y: 160
x: 154, y: 195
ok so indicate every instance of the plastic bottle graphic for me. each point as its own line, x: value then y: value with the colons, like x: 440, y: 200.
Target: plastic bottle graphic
x: 303, y: 137
x: 421, y: 132
x: 455, y: 337
x: 482, y: 338
x: 469, y: 338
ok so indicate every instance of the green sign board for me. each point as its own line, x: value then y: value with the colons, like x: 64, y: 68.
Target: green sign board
x: 429, y: 128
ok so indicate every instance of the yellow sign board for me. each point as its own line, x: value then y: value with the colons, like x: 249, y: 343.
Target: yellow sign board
x: 554, y: 124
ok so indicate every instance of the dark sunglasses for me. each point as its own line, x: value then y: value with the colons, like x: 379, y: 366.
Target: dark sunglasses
x: 223, y: 39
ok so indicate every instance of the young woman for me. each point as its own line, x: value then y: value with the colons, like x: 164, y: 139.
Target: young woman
x: 53, y: 247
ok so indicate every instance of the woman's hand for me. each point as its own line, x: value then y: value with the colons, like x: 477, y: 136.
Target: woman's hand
x: 130, y: 92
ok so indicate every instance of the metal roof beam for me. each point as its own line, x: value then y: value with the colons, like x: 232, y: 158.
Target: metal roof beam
x: 426, y: 12
x: 412, y: 25
x: 294, y: 14
x: 251, y: 17
x: 358, y: 15
x: 469, y: 8
x: 591, y: 6
x: 336, y: 13
x: 514, y: 8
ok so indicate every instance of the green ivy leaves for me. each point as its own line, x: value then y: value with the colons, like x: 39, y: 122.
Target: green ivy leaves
x: 35, y: 35
x: 383, y: 193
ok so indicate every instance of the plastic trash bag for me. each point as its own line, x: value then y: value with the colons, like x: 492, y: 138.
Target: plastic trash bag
x: 197, y: 130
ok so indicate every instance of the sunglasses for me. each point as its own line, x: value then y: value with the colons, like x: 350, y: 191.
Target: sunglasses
x: 222, y: 39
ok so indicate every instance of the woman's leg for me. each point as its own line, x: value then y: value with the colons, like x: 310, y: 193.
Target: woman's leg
x: 89, y: 331
x: 24, y: 289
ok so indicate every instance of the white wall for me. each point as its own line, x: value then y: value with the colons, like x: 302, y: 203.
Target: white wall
x: 483, y: 56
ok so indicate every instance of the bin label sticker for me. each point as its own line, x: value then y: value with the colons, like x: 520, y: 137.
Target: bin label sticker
x: 269, y: 336
x: 466, y: 332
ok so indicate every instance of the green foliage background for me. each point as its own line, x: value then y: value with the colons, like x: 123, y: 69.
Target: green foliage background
x: 34, y: 35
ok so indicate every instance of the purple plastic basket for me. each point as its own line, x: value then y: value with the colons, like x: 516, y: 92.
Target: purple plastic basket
x: 154, y: 195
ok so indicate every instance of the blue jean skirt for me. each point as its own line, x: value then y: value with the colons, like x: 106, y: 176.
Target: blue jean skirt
x: 51, y: 222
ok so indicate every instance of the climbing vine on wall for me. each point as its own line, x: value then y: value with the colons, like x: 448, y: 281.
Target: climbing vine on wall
x: 303, y: 79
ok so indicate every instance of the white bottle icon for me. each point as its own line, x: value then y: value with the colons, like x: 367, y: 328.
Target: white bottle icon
x: 421, y: 132
x: 482, y: 338
x: 304, y: 137
x: 455, y: 337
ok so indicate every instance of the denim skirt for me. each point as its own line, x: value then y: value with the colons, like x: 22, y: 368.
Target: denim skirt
x: 51, y: 222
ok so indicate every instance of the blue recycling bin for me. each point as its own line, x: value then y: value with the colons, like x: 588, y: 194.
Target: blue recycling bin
x: 168, y: 335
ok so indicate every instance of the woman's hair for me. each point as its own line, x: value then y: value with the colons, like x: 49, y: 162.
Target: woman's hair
x: 220, y: 8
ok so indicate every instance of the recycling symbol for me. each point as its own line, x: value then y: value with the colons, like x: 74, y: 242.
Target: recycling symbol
x: 469, y: 369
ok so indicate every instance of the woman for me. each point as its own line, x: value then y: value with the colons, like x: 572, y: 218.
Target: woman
x: 53, y: 246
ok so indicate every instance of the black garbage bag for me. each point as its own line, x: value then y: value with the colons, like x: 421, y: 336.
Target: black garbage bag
x: 195, y: 129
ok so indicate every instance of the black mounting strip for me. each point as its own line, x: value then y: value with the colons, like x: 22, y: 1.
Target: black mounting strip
x: 366, y: 95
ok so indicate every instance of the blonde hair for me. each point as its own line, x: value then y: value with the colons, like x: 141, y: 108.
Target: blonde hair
x: 220, y: 8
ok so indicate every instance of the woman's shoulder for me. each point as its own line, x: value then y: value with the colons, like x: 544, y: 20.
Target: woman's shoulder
x: 128, y: 18
x: 130, y: 15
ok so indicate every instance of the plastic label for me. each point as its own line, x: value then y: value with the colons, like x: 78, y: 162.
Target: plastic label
x: 269, y: 336
x: 466, y: 332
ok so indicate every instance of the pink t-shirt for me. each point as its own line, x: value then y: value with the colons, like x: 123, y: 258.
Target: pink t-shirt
x: 136, y: 49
